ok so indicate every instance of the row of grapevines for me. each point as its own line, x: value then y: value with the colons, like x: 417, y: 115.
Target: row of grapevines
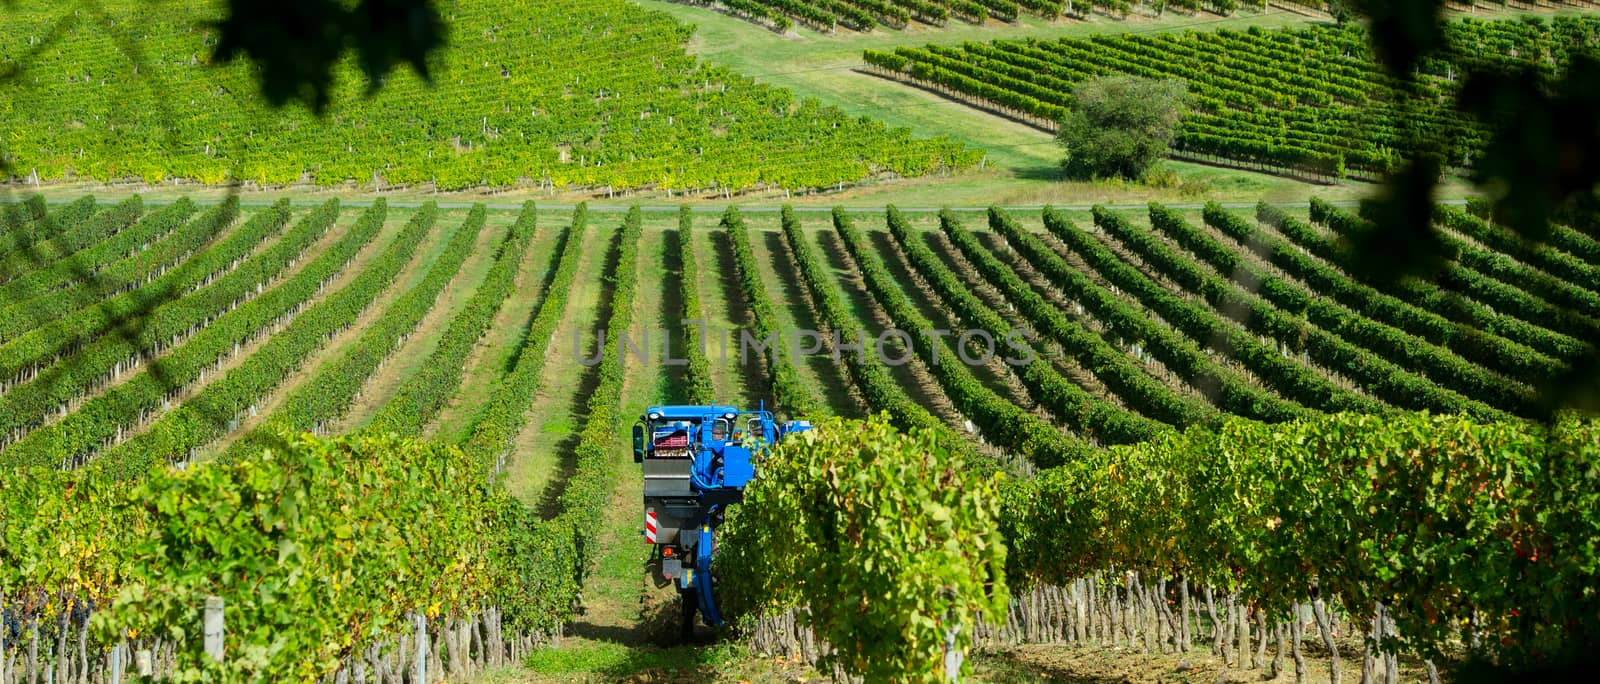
x: 1577, y: 238
x: 755, y: 9
x: 127, y: 274
x: 420, y: 399
x: 1480, y: 541
x: 211, y: 413
x: 1307, y: 100
x: 320, y: 550
x: 1117, y: 370
x: 97, y: 272
x: 497, y: 424
x: 1305, y: 83
x: 1469, y: 276
x: 105, y: 418
x: 1366, y: 352
x: 925, y: 550
x: 70, y: 239
x: 1240, y: 89
x: 1105, y: 421
x: 1426, y: 296
x: 551, y: 558
x: 587, y: 496
x: 1493, y: 352
x: 827, y: 14
x: 1545, y: 286
x: 328, y: 394
x: 878, y: 389
x: 790, y: 392
x: 1019, y: 59
x: 999, y: 420
x: 1227, y: 389
x: 540, y: 556
x: 886, y: 12
x: 1325, y: 284
x: 700, y: 390
x: 215, y: 319
x: 1489, y: 291
x: 861, y: 15
x: 636, y: 110
x: 25, y: 235
x: 41, y: 346
x: 1000, y: 72
x: 1228, y: 142
x: 1294, y: 47
x: 1004, y: 10
x: 961, y: 81
x: 15, y: 215
x: 1547, y: 258
x: 1288, y: 377
x: 930, y: 11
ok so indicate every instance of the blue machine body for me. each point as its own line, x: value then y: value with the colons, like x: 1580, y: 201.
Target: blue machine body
x: 696, y: 462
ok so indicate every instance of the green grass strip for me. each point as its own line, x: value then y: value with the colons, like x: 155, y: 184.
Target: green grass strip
x: 790, y: 393
x: 420, y: 399
x: 501, y: 419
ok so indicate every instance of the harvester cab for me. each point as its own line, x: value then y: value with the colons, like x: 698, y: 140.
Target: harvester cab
x: 696, y: 462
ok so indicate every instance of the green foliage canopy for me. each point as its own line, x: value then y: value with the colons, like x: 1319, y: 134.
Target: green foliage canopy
x: 889, y: 538
x: 1120, y: 126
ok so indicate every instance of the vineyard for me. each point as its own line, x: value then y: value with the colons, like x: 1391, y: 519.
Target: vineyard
x: 174, y: 353
x: 332, y: 381
x: 865, y: 15
x: 574, y: 95
x: 1311, y: 101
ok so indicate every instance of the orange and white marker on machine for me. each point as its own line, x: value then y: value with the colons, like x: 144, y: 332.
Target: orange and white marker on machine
x: 650, y: 526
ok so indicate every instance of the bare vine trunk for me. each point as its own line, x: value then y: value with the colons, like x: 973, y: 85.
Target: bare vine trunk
x: 1186, y: 635
x: 1278, y: 633
x: 1261, y: 640
x: 1320, y: 609
x: 1297, y: 628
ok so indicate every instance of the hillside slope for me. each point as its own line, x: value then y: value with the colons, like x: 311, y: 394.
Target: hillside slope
x: 590, y: 93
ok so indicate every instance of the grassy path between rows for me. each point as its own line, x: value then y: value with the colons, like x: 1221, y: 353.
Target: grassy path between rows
x: 393, y: 223
x: 557, y: 413
x: 712, y: 256
x: 785, y: 286
x: 421, y: 343
x: 413, y: 273
x: 493, y: 355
